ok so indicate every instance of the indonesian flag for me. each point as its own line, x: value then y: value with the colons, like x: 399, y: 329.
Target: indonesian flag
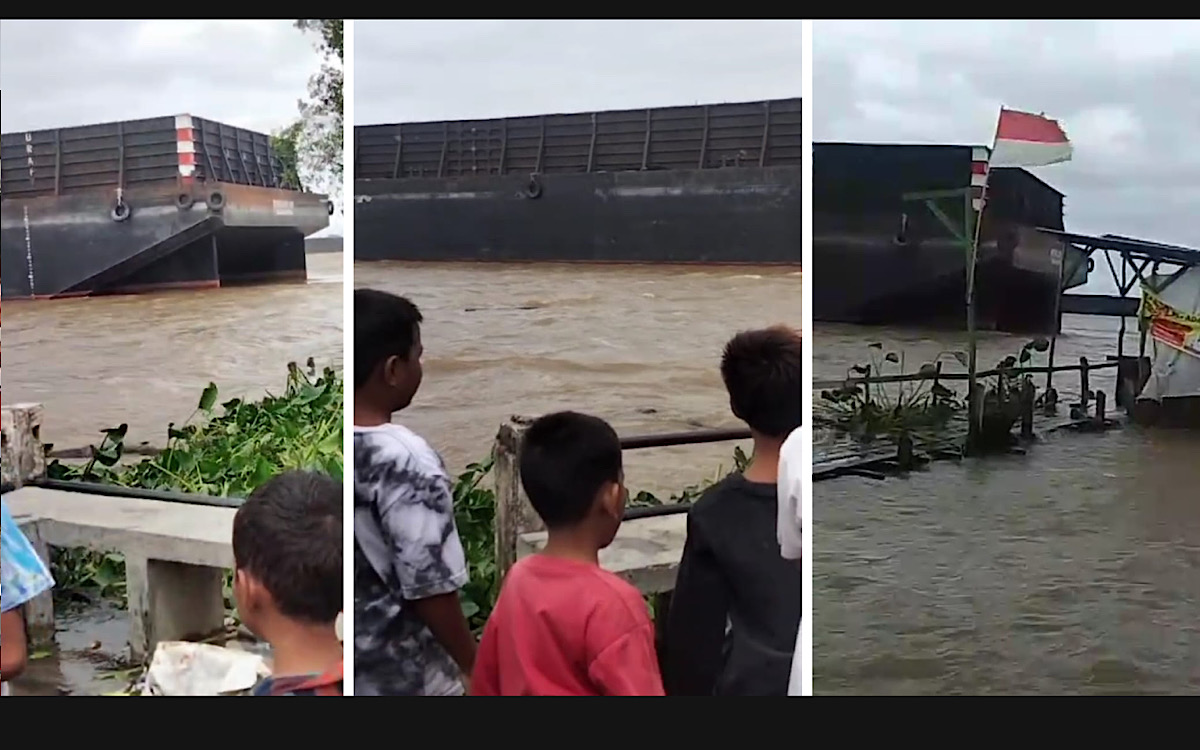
x: 1028, y: 140
x: 1022, y: 139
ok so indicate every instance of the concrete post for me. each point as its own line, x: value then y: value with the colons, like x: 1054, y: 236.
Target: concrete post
x: 24, y: 456
x: 171, y: 601
x: 39, y: 612
x: 514, y: 515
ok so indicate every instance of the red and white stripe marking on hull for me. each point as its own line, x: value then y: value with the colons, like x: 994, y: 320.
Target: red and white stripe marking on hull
x: 979, y: 174
x: 185, y: 146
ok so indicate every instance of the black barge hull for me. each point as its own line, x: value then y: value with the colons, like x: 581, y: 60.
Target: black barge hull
x: 143, y: 206
x: 882, y: 259
x: 715, y: 184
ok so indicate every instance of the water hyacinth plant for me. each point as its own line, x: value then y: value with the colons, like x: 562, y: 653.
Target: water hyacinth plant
x: 223, y: 450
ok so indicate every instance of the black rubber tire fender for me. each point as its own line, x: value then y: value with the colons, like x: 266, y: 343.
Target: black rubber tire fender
x: 121, y: 211
x: 329, y: 207
x: 533, y: 190
x: 184, y: 201
x: 216, y: 201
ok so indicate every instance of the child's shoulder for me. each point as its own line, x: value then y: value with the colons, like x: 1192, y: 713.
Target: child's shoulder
x: 396, y: 444
x: 717, y: 495
x: 595, y: 587
x: 619, y: 597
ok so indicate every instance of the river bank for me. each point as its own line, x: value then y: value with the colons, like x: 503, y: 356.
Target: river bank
x: 226, y: 449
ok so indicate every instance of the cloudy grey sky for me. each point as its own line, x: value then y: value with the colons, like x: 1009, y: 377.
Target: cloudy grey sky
x: 1125, y: 91
x: 431, y: 70
x: 240, y: 72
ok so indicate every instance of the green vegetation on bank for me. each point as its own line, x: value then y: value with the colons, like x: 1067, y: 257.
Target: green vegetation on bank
x: 229, y: 449
x: 222, y: 450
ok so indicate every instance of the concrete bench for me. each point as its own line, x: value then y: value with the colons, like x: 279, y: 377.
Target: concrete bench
x: 175, y: 555
x: 646, y: 551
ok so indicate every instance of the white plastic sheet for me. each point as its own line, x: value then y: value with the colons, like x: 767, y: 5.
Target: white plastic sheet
x: 181, y: 668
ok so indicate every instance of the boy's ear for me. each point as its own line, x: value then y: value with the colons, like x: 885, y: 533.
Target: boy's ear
x: 247, y: 591
x: 390, y: 369
x: 613, y: 499
x: 734, y: 409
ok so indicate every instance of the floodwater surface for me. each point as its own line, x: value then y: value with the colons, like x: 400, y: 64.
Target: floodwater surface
x: 1073, y: 569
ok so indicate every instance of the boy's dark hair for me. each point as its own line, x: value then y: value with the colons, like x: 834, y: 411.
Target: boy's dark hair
x: 385, y: 325
x: 761, y: 370
x: 565, y: 459
x: 288, y: 535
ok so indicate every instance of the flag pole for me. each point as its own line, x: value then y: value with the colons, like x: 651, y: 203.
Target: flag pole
x: 974, y: 404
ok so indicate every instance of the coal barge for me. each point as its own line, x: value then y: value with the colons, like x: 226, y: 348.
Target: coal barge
x: 696, y: 184
x: 882, y: 255
x: 167, y: 202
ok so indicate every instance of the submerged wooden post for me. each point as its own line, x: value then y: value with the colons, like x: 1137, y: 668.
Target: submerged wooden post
x: 514, y: 515
x: 975, y: 415
x: 1084, y: 383
x: 1101, y: 406
x: 1027, y: 399
x: 904, y: 452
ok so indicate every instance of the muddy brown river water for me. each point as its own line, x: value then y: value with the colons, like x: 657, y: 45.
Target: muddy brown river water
x: 636, y: 345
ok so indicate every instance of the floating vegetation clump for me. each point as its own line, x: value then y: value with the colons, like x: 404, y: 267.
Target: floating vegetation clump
x: 879, y: 400
x: 866, y: 410
x: 223, y: 450
x: 1003, y: 398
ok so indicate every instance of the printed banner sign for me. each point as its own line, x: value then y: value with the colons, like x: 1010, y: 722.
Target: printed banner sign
x: 1171, y: 327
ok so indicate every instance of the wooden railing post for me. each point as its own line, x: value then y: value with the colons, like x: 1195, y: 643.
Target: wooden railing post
x: 24, y: 456
x: 1027, y: 400
x: 1084, y: 382
x: 514, y: 515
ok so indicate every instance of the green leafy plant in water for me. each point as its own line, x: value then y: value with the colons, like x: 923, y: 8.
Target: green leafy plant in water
x: 474, y: 515
x: 225, y: 452
x: 867, y: 411
x: 1002, y: 407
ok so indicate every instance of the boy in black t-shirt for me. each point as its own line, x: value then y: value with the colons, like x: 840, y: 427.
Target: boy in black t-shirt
x: 732, y: 624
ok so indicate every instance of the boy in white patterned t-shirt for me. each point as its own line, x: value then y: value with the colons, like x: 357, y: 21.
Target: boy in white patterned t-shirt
x: 789, y: 528
x: 410, y: 634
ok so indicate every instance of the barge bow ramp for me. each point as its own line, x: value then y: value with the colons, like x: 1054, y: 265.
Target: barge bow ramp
x: 148, y: 204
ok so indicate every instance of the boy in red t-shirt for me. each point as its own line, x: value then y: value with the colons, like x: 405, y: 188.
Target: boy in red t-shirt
x: 563, y: 625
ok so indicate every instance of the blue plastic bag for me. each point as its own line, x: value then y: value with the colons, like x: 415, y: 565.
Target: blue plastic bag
x: 23, y: 575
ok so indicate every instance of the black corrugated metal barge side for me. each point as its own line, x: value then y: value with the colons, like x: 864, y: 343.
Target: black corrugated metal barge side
x: 700, y: 184
x: 881, y: 260
x: 148, y: 204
